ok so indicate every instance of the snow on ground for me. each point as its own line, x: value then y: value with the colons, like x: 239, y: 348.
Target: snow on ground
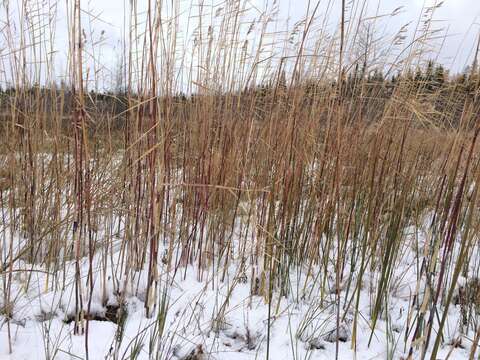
x: 210, y: 319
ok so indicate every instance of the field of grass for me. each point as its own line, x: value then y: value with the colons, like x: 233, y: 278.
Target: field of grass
x: 242, y: 190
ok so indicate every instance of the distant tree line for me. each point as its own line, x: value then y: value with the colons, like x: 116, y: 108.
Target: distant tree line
x: 444, y: 96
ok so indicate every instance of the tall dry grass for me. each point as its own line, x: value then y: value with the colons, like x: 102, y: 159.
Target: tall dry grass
x: 284, y: 152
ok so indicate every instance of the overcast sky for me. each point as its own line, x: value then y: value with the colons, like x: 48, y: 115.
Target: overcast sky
x: 460, y: 19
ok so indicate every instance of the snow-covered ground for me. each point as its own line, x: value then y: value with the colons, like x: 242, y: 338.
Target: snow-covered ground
x: 214, y: 319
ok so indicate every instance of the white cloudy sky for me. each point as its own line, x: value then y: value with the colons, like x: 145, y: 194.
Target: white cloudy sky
x: 460, y: 17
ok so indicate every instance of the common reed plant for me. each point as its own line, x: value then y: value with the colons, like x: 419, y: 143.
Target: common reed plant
x: 306, y: 164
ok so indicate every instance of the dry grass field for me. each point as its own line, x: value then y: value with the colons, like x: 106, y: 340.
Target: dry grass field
x: 242, y: 191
